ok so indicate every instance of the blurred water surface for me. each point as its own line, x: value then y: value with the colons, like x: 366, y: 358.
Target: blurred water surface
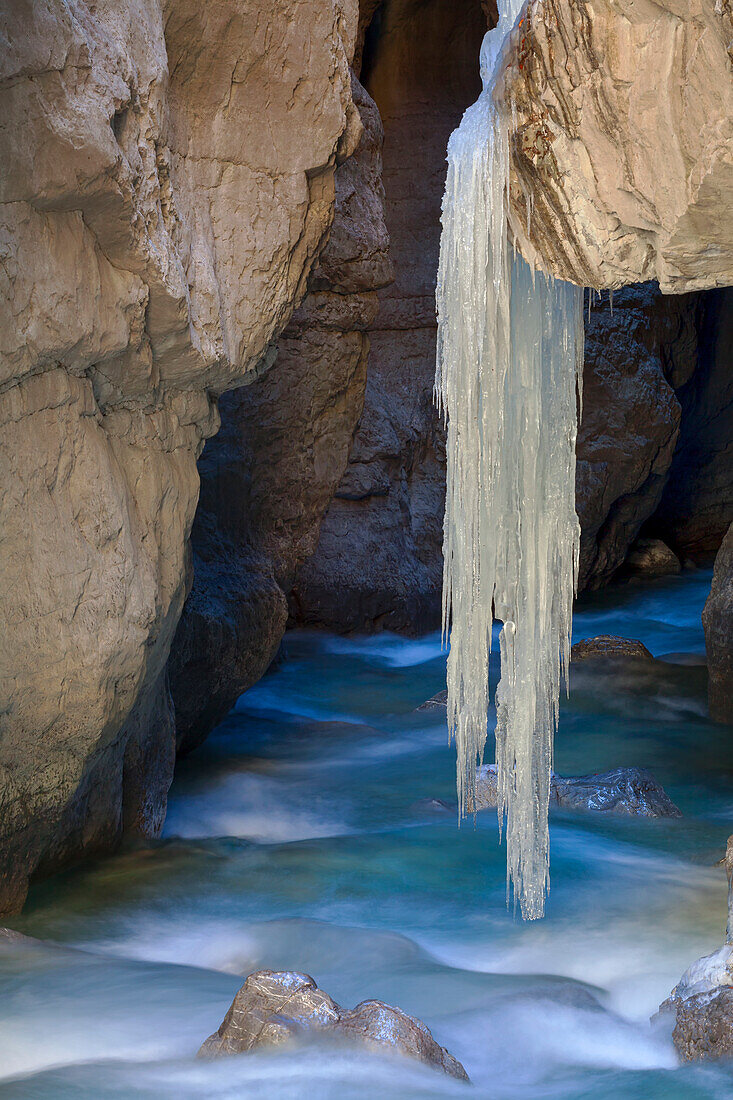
x: 310, y: 833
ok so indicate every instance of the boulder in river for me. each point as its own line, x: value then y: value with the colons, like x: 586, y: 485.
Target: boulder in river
x: 631, y: 791
x: 702, y: 1000
x: 609, y: 647
x: 274, y: 1007
x: 652, y: 558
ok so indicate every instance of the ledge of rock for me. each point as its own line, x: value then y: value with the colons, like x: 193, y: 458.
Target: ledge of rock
x: 275, y: 1007
x: 622, y: 140
x: 630, y: 791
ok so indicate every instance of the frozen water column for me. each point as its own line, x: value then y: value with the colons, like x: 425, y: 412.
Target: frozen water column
x: 509, y: 354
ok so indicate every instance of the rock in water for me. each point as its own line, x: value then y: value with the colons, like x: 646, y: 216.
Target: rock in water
x: 703, y: 997
x: 274, y: 1007
x: 631, y: 791
x: 609, y: 647
x: 652, y: 558
x: 704, y: 1027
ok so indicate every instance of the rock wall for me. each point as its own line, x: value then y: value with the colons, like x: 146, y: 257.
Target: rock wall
x: 270, y: 473
x: 717, y: 619
x: 697, y: 505
x: 167, y: 184
x: 604, y: 94
x: 649, y: 357
x: 379, y: 558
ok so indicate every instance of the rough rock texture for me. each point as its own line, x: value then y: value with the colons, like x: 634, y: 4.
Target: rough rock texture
x: 272, y: 1008
x: 717, y: 619
x: 630, y: 791
x: 268, y: 476
x: 652, y: 558
x: 167, y: 184
x: 637, y: 353
x: 623, y: 140
x: 702, y: 1000
x: 606, y: 647
x: 704, y: 1027
x: 696, y: 508
x: 379, y: 562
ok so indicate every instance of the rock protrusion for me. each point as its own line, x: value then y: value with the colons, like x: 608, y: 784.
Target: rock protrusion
x: 599, y: 95
x: 273, y: 1008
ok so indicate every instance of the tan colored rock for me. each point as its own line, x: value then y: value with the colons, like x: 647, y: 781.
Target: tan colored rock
x: 167, y: 184
x: 274, y: 1007
x: 623, y: 142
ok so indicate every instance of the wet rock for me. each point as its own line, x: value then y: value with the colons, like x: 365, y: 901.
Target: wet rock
x: 276, y: 1007
x: 702, y: 1000
x: 609, y: 647
x: 630, y: 791
x: 704, y: 1027
x: 436, y: 702
x: 717, y: 619
x: 652, y: 558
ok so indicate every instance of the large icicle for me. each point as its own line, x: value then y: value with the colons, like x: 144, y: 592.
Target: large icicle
x: 509, y: 344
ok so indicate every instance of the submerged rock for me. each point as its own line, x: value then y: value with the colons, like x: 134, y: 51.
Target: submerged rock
x: 631, y: 791
x: 274, y: 1007
x: 436, y: 702
x: 605, y: 646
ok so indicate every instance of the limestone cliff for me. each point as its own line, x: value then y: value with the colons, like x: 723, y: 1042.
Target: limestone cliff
x: 622, y: 140
x: 167, y: 184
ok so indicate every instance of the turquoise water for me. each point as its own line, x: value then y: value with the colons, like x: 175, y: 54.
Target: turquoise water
x: 308, y: 833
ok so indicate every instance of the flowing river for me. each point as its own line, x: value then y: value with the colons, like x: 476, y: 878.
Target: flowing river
x: 316, y: 830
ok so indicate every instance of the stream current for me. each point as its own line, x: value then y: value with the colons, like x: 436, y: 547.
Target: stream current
x: 310, y: 833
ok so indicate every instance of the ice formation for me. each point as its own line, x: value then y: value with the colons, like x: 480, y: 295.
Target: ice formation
x: 507, y: 378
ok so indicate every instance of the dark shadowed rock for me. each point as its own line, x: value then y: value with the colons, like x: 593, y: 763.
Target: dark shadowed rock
x: 275, y: 1007
x: 437, y: 702
x: 652, y: 558
x: 379, y: 563
x: 717, y: 619
x: 697, y: 504
x: 636, y: 353
x: 631, y: 791
x: 268, y: 476
x: 609, y: 647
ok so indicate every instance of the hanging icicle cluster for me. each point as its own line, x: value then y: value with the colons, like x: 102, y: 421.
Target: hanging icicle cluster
x: 508, y: 367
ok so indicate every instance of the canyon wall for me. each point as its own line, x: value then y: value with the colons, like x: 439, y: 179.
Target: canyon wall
x: 167, y: 184
x: 622, y: 140
x: 379, y: 559
x: 654, y: 440
x: 270, y: 473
